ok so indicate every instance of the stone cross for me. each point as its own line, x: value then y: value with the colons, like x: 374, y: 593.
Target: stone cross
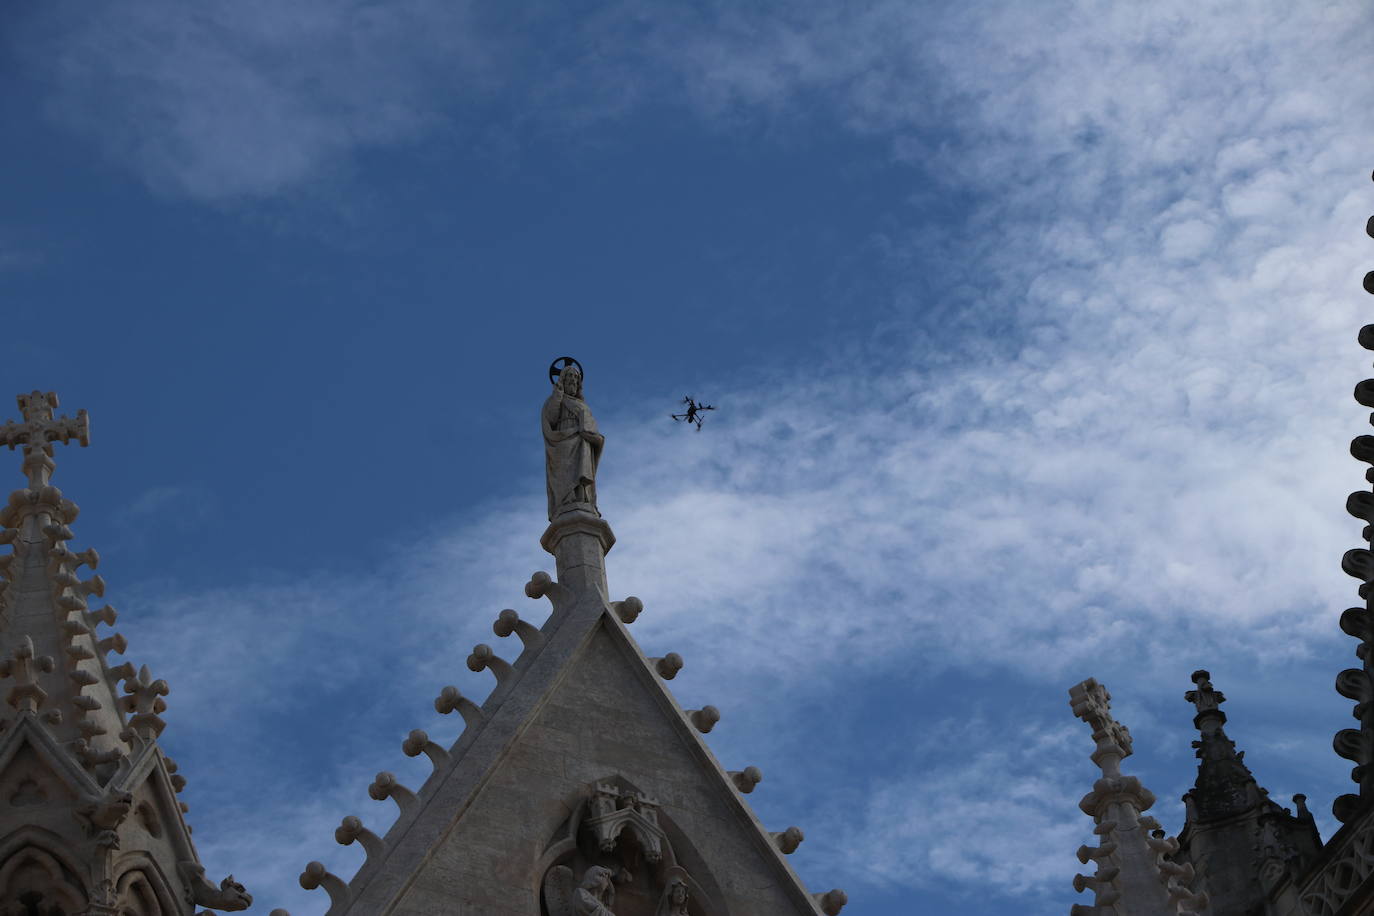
x: 1207, y: 701
x: 1205, y: 698
x: 39, y: 430
x: 1093, y: 704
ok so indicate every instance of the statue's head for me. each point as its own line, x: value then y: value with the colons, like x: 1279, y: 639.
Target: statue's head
x: 570, y: 380
x: 597, y: 879
x: 677, y: 885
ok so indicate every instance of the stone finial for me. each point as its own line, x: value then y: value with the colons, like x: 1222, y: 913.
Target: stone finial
x: 88, y: 557
x: 747, y: 779
x: 24, y: 667
x: 451, y: 699
x: 115, y: 642
x: 417, y: 743
x: 543, y: 585
x: 668, y: 665
x: 316, y: 875
x: 387, y: 786
x: 351, y: 830
x: 508, y: 622
x: 831, y: 902
x: 145, y: 702
x: 483, y: 658
x: 104, y: 614
x: 1103, y: 879
x: 39, y: 430
x: 628, y: 610
x: 1206, y: 699
x: 1088, y: 853
x: 1092, y: 703
x: 788, y: 840
x: 704, y: 719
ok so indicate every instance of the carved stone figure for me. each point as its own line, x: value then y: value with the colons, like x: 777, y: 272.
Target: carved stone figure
x: 572, y: 446
x: 675, y: 894
x: 230, y: 895
x: 596, y: 894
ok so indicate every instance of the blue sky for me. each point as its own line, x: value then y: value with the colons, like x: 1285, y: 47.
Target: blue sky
x: 1031, y: 326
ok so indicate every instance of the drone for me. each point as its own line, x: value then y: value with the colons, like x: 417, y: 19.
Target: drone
x: 694, y: 412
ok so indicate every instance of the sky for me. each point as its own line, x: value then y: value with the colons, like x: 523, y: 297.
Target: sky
x: 1031, y: 329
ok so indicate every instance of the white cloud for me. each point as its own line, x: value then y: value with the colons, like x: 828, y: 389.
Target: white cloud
x: 1000, y: 816
x: 251, y: 99
x: 1187, y: 240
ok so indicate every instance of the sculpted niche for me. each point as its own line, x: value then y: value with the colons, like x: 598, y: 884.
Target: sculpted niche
x: 615, y: 857
x: 572, y: 445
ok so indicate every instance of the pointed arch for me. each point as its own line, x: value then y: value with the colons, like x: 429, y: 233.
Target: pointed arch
x: 141, y: 888
x: 34, y: 874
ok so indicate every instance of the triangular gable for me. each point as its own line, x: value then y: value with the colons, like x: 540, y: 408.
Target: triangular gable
x: 146, y: 771
x: 26, y: 732
x: 584, y: 707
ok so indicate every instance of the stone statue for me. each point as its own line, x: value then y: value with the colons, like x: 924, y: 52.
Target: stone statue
x: 565, y: 897
x: 596, y: 894
x: 675, y: 894
x: 572, y: 446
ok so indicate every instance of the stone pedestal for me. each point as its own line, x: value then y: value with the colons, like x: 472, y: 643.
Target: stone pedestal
x: 579, y: 542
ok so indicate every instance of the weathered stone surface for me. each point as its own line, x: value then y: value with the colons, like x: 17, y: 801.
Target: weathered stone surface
x: 92, y: 824
x: 579, y: 787
x: 572, y: 446
x: 1135, y: 874
x: 605, y: 719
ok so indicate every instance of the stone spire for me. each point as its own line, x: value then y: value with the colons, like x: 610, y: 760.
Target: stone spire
x: 579, y: 785
x: 1357, y: 744
x: 1245, y: 848
x: 1136, y: 874
x: 93, y: 825
x: 1345, y: 863
x: 1225, y: 786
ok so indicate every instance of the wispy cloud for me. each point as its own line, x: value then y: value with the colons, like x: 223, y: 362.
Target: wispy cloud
x: 998, y: 817
x: 230, y: 100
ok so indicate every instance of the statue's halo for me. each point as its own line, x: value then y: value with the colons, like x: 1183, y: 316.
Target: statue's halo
x: 557, y: 366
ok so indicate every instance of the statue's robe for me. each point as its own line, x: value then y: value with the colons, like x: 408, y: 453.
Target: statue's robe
x: 590, y: 904
x: 569, y: 459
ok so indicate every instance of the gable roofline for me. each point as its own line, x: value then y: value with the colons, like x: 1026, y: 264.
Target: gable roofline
x: 395, y: 858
